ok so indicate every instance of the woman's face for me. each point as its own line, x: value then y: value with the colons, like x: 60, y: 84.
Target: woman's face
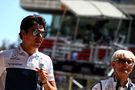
x: 123, y: 66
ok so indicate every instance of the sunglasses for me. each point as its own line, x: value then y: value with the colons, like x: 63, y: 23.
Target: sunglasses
x: 123, y: 61
x: 36, y: 32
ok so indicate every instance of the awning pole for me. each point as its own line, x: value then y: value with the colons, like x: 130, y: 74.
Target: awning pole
x: 57, y: 35
x: 118, y: 28
x: 129, y: 30
x: 76, y: 28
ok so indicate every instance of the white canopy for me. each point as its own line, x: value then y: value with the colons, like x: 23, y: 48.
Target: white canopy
x: 90, y: 8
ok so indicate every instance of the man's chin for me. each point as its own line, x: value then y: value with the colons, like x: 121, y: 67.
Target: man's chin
x: 37, y: 45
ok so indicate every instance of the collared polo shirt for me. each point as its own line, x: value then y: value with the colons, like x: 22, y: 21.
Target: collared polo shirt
x: 18, y: 69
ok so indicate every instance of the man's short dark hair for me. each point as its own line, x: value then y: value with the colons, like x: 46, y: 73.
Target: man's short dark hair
x: 31, y: 20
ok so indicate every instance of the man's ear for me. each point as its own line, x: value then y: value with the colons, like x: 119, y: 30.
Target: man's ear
x: 23, y: 33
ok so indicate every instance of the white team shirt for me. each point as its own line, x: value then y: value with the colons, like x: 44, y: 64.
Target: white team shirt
x: 19, y: 59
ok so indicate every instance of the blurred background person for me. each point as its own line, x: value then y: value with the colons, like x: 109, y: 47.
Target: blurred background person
x: 122, y: 62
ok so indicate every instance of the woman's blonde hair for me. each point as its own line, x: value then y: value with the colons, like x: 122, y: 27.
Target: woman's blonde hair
x: 123, y: 54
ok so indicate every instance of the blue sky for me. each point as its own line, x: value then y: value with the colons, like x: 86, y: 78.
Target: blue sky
x: 11, y: 15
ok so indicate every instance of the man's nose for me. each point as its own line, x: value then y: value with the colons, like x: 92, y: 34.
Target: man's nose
x: 126, y: 62
x: 40, y: 35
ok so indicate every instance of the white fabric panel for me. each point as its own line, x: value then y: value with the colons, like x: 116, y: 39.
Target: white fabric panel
x: 81, y: 8
x: 107, y: 9
x: 89, y: 8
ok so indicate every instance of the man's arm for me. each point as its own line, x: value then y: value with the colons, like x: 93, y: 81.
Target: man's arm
x: 50, y: 85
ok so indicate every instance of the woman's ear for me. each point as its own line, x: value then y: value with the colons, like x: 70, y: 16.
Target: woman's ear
x: 113, y: 63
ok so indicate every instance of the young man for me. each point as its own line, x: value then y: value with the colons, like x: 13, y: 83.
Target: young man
x: 122, y: 63
x: 25, y: 68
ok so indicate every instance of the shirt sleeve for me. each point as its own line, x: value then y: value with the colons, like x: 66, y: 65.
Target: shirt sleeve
x: 50, y: 71
x: 97, y: 87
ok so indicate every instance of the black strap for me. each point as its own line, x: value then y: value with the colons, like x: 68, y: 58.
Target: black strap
x: 100, y: 85
x: 130, y: 86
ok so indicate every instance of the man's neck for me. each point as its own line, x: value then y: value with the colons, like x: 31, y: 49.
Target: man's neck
x: 29, y: 50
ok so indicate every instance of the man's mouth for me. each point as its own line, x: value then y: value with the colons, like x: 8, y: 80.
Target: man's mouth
x: 38, y: 41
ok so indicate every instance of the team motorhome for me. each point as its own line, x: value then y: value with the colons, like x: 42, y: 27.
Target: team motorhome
x: 83, y: 35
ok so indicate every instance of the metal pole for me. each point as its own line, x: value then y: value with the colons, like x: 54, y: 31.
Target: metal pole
x: 76, y: 28
x: 91, y: 53
x: 129, y: 31
x: 70, y: 82
x: 88, y: 84
x: 118, y: 28
x: 57, y: 35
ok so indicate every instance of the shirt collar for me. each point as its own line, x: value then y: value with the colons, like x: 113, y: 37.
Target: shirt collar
x: 21, y: 51
x: 127, y: 84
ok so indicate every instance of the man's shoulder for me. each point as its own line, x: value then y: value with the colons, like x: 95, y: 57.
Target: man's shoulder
x: 103, y: 81
x: 43, y: 55
x: 6, y: 52
x: 107, y: 80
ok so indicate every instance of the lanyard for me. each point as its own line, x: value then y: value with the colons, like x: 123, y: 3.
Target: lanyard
x: 130, y: 87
